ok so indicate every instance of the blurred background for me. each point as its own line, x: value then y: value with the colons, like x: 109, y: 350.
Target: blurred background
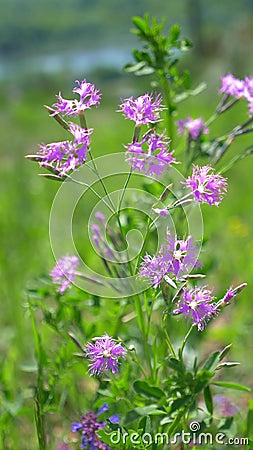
x: 44, y: 47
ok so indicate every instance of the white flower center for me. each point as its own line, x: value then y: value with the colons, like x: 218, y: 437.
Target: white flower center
x: 178, y: 254
x: 193, y: 304
x: 106, y: 353
x: 201, y: 188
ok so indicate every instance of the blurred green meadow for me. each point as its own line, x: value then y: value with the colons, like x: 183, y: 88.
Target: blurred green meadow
x: 26, y: 199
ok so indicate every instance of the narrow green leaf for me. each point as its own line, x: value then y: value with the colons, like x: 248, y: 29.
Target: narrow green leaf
x: 143, y: 388
x: 134, y: 67
x: 140, y: 23
x: 174, y: 33
x: 176, y: 365
x: 225, y: 351
x: 236, y: 386
x: 208, y: 400
x: 179, y: 402
x: 212, y: 361
x: 52, y: 177
x: 150, y: 409
x: 145, y: 424
x: 227, y: 364
x: 249, y: 422
x: 146, y: 70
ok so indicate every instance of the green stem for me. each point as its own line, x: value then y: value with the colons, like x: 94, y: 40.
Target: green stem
x: 39, y: 392
x: 124, y: 190
x: 167, y: 338
x: 92, y: 190
x: 180, y: 352
x: 174, y: 424
x: 167, y: 95
x: 101, y: 181
x: 144, y: 332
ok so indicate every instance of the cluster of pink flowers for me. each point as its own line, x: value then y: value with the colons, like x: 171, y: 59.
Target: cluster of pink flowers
x: 175, y: 258
x: 194, y: 127
x: 65, y: 156
x: 200, y: 306
x: 143, y: 109
x: 151, y: 155
x: 88, y: 96
x: 64, y: 272
x: 237, y: 88
x: 104, y: 353
x: 206, y: 186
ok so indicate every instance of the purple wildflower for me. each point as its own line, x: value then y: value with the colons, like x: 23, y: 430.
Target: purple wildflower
x: 248, y: 92
x: 231, y: 293
x: 99, y: 239
x: 197, y: 303
x: 193, y: 126
x: 143, y: 109
x: 206, y: 186
x: 154, y: 269
x: 150, y: 155
x: 104, y: 354
x: 99, y: 216
x: 175, y: 258
x: 162, y: 212
x: 88, y: 427
x: 182, y: 254
x: 89, y: 96
x: 225, y: 406
x: 63, y: 157
x: 232, y: 86
x: 64, y: 272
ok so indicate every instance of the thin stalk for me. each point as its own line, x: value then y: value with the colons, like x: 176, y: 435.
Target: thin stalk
x: 167, y: 95
x: 101, y: 181
x: 124, y: 190
x: 84, y: 125
x: 167, y: 338
x: 92, y: 190
x: 180, y: 352
x: 136, y: 361
x: 39, y: 392
x: 144, y: 332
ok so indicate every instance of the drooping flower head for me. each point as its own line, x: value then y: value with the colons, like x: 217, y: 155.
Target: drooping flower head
x: 197, y: 304
x: 63, y: 157
x: 143, y: 109
x: 231, y: 293
x: 64, y: 272
x: 206, y: 186
x: 233, y: 86
x: 195, y: 127
x: 151, y: 155
x: 106, y: 250
x: 88, y: 96
x: 176, y: 258
x: 104, y: 353
x: 89, y: 426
